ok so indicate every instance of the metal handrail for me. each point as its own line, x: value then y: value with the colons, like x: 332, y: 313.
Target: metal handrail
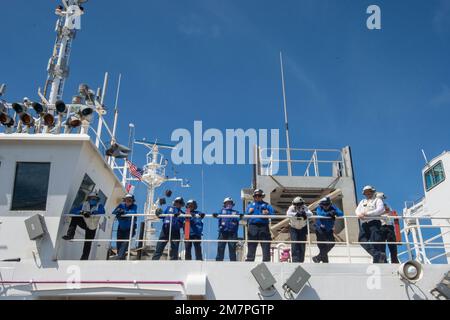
x: 308, y: 242
x: 269, y: 160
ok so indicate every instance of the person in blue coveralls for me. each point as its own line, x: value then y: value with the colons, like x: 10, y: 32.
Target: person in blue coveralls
x: 228, y: 230
x: 90, y: 212
x: 172, y: 226
x: 128, y: 206
x: 325, y: 228
x: 196, y: 231
x: 258, y: 228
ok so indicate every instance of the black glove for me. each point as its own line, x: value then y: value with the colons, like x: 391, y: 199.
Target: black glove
x: 158, y: 212
x: 301, y: 215
x: 86, y: 214
x: 241, y: 216
x: 202, y: 215
x: 120, y: 212
x: 332, y: 214
x: 176, y: 214
x: 215, y: 215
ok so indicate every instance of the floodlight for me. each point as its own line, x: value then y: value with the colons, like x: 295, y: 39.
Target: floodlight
x: 49, y: 119
x: 77, y: 100
x: 73, y: 120
x: 27, y: 119
x: 411, y: 271
x: 39, y: 108
x: 60, y: 106
x: 117, y: 151
x: 5, y: 119
x: 297, y: 280
x: 86, y: 111
x: 263, y: 276
x: 18, y: 107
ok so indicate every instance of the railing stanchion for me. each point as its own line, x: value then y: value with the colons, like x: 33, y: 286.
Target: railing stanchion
x: 309, y: 239
x: 130, y: 237
x: 170, y: 236
x: 347, y: 242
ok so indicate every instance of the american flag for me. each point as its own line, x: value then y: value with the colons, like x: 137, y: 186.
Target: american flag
x: 135, y: 171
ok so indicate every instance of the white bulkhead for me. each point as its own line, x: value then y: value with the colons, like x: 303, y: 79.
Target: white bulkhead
x: 72, y: 160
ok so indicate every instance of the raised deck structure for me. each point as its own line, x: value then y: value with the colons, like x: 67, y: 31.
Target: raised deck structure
x: 52, y: 154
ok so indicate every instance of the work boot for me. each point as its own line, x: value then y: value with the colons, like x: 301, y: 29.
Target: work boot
x: 316, y: 259
x: 324, y: 259
x: 67, y: 237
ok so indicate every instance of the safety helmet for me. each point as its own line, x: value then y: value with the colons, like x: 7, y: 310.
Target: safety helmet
x: 180, y: 200
x: 193, y: 202
x: 368, y: 188
x: 129, y: 196
x: 228, y: 199
x: 259, y: 192
x: 298, y: 201
x: 326, y: 201
x: 381, y: 195
x: 93, y: 194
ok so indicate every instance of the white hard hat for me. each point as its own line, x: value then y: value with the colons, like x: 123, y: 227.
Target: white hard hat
x: 366, y: 188
x: 325, y: 201
x: 129, y: 196
x: 298, y: 200
x: 228, y: 199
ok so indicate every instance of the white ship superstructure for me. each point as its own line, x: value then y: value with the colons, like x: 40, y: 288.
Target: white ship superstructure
x: 54, y: 152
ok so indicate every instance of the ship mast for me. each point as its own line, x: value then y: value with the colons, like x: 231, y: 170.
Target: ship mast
x: 68, y: 23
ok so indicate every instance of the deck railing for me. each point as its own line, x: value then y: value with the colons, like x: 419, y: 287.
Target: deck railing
x: 414, y: 249
x: 306, y: 162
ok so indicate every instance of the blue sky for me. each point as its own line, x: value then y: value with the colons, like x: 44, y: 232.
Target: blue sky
x: 386, y: 93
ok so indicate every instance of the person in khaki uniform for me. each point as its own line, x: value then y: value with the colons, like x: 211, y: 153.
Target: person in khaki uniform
x: 369, y: 212
x: 90, y: 212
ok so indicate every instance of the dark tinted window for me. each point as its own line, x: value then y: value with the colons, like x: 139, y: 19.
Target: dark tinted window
x: 87, y: 186
x: 434, y: 176
x: 31, y: 186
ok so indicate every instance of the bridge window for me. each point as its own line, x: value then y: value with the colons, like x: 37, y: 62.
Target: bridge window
x: 434, y: 176
x: 31, y: 186
x: 87, y: 186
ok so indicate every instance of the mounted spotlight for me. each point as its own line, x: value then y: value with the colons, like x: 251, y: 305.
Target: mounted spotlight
x: 86, y: 111
x: 39, y: 108
x: 263, y: 276
x: 60, y: 107
x: 18, y: 107
x: 411, y: 271
x: 27, y: 119
x: 118, y: 151
x: 73, y: 120
x: 297, y: 280
x: 5, y: 119
x: 77, y: 100
x: 49, y: 119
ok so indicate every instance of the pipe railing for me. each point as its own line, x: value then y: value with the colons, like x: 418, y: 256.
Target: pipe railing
x: 309, y: 242
x: 265, y: 161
